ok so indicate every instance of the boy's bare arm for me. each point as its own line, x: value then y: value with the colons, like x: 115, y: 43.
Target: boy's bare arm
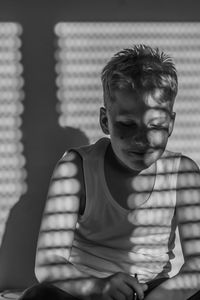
x: 59, y: 221
x: 187, y: 281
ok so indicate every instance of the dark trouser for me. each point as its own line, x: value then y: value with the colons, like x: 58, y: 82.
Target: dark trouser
x: 46, y: 291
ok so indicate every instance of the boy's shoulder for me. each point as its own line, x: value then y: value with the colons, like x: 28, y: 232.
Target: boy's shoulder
x: 188, y: 185
x: 170, y: 154
x: 91, y: 151
x: 187, y: 164
x: 188, y: 175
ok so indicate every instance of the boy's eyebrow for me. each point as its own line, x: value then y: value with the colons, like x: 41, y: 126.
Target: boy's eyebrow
x: 160, y: 118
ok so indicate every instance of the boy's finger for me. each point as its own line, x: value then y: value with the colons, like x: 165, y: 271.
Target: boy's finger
x: 144, y: 286
x: 126, y: 290
x: 136, y: 286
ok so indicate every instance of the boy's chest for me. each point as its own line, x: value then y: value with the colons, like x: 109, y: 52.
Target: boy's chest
x: 129, y: 191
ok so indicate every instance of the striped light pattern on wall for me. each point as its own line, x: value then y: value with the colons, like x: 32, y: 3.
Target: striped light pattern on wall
x: 12, y: 172
x: 84, y: 48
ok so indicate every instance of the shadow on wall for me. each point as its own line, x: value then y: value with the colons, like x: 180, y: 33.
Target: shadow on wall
x: 18, y: 247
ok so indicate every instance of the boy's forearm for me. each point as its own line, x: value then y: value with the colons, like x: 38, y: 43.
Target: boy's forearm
x: 81, y: 288
x: 69, y: 279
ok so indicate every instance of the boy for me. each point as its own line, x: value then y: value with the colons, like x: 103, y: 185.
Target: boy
x: 108, y: 228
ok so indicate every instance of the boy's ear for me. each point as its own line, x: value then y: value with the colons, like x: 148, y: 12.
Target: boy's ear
x: 103, y: 120
x: 171, y: 124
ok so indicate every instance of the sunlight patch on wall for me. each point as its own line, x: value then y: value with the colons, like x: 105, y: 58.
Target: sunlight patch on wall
x: 12, y: 161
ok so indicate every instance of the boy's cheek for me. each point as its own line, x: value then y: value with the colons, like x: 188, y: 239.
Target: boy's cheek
x: 119, y: 134
x: 157, y: 140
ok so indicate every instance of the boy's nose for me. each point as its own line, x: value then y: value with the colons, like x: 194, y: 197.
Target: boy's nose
x: 140, y: 139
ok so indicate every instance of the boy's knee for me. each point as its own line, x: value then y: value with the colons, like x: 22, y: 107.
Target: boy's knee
x: 43, y: 291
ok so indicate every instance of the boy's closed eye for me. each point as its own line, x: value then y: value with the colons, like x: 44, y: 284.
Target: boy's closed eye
x: 127, y: 124
x: 135, y: 126
x: 158, y: 126
x: 155, y: 126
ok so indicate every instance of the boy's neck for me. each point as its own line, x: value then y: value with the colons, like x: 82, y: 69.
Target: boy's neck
x: 119, y: 167
x: 116, y: 164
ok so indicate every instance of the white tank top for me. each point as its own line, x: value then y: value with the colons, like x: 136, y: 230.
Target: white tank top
x: 109, y: 238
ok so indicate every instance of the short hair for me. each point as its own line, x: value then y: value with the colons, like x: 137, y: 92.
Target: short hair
x: 140, y: 68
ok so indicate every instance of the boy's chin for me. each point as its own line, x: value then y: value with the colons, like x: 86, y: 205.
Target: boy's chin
x: 141, y: 163
x: 139, y: 166
x: 135, y: 166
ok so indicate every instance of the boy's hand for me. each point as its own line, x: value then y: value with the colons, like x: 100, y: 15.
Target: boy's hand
x: 120, y: 286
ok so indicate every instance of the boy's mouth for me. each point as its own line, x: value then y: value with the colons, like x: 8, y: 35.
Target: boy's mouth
x: 136, y: 152
x: 140, y: 151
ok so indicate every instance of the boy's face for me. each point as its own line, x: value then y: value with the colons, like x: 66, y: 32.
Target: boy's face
x: 139, y: 127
